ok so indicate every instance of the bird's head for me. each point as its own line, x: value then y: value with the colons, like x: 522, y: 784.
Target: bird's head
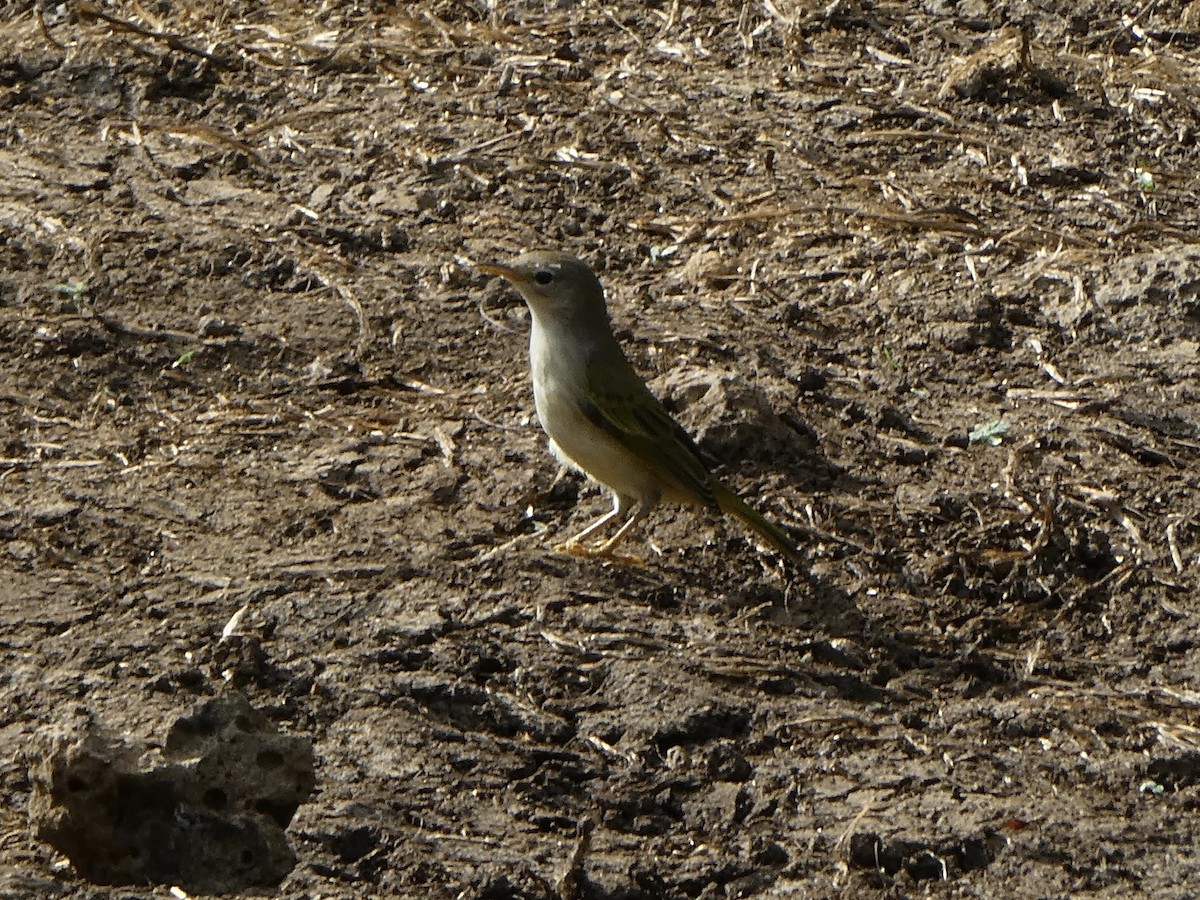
x: 556, y: 286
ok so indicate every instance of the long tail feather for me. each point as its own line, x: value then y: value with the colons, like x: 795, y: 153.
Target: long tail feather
x: 731, y: 504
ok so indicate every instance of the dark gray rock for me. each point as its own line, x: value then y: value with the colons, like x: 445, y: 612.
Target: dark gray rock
x: 208, y: 813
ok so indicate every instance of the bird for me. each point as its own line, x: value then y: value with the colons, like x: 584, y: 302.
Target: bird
x: 600, y: 416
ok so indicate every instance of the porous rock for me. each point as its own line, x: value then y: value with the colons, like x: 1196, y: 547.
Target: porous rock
x: 207, y: 812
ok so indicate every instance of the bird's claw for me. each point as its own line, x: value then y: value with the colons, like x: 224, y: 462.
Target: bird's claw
x: 601, y: 551
x: 574, y: 548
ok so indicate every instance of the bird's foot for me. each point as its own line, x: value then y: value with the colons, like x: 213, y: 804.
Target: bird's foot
x: 575, y: 548
x: 598, y: 551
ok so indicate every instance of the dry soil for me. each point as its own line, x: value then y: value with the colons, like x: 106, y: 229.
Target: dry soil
x: 922, y: 278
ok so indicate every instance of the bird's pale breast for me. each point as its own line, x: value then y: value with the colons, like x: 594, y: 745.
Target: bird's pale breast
x: 558, y: 386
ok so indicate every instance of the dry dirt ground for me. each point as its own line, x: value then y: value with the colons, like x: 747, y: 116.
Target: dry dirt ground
x: 923, y: 278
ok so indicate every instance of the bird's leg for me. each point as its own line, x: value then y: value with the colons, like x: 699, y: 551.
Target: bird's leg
x: 642, y: 511
x: 645, y: 503
x: 620, y: 508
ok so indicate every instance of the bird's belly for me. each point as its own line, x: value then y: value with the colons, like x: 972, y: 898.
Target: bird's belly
x: 575, y: 441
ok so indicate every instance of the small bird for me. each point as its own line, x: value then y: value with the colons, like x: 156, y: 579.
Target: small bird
x: 598, y: 413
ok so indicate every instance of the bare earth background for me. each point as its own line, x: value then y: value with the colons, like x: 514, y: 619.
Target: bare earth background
x: 245, y: 363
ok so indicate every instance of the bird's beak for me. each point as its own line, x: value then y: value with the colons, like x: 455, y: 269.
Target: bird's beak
x: 503, y: 271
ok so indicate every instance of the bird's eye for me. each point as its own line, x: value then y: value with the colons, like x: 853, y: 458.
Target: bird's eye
x: 543, y: 276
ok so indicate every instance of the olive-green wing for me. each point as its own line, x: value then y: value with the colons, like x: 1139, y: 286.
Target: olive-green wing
x: 626, y: 410
x: 631, y: 415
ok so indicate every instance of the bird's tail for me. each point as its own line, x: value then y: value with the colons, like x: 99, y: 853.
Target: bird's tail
x: 733, y: 505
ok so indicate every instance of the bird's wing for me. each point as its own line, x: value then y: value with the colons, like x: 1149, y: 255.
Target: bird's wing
x: 631, y: 415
